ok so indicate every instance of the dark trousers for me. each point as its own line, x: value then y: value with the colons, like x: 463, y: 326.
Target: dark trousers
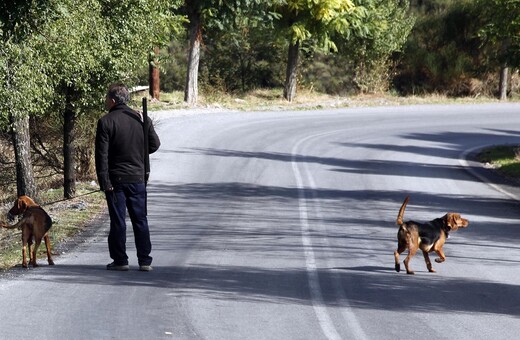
x: 132, y: 197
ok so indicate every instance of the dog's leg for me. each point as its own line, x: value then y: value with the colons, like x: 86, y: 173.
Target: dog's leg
x: 29, y: 248
x: 25, y: 239
x: 401, y: 246
x: 24, y: 256
x: 35, y: 250
x: 428, y: 262
x: 442, y: 257
x: 397, y: 264
x: 48, y: 246
x: 411, y: 252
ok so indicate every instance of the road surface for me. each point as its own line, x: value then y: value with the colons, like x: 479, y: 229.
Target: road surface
x: 281, y: 225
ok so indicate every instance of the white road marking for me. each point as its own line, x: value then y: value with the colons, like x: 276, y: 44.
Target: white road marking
x: 318, y: 303
x: 346, y: 310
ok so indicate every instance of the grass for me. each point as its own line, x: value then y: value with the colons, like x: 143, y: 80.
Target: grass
x: 272, y: 99
x: 69, y: 218
x: 504, y: 158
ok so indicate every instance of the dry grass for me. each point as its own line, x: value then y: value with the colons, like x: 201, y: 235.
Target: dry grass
x: 272, y: 99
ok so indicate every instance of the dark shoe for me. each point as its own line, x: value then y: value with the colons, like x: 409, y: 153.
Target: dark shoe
x: 147, y: 268
x: 118, y: 267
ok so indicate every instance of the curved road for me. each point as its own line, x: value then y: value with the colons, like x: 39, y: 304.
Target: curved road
x: 281, y: 225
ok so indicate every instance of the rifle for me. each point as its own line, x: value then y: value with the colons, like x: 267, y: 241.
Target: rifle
x: 146, y: 152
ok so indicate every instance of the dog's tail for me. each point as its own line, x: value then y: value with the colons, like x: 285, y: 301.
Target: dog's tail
x: 7, y: 226
x: 399, y: 220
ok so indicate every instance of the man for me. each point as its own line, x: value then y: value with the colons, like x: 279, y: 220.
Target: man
x: 120, y: 168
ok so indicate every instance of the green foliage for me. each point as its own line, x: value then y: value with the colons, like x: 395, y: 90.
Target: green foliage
x: 363, y: 63
x: 320, y: 21
x: 240, y: 52
x: 24, y: 88
x: 58, y: 53
x: 328, y: 73
x: 79, y: 47
x: 388, y: 26
x: 244, y: 54
x: 24, y: 85
x: 442, y: 54
x: 89, y: 59
x: 457, y: 47
x: 80, y: 56
x: 19, y: 19
x: 500, y: 30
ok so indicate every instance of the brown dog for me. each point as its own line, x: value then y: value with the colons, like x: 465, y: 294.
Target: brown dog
x: 35, y: 223
x: 428, y: 237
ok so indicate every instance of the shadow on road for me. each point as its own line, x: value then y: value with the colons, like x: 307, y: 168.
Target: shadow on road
x: 366, y: 287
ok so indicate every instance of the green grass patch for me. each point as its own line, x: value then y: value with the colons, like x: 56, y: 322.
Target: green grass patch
x: 504, y: 158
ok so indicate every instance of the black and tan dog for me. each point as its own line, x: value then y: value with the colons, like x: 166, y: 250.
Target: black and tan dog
x: 428, y: 237
x: 35, y: 223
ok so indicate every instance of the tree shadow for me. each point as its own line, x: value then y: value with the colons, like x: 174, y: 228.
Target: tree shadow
x: 365, y: 287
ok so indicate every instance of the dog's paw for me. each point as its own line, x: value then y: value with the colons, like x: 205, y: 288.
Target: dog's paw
x: 439, y: 260
x: 397, y: 267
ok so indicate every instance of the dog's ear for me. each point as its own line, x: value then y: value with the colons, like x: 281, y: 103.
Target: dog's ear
x: 22, y: 205
x: 451, y: 221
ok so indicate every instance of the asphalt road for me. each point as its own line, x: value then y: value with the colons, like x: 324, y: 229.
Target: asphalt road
x: 281, y: 225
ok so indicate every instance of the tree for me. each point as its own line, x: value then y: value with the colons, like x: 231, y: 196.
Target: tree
x: 216, y: 14
x: 78, y: 75
x: 388, y: 26
x: 154, y: 80
x: 87, y: 59
x: 501, y: 31
x: 24, y: 87
x: 315, y: 22
x: 105, y: 41
x: 193, y: 9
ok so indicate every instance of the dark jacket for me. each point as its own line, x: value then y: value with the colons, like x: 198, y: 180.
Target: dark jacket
x: 120, y: 146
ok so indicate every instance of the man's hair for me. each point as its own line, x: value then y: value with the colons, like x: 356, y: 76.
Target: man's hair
x: 119, y: 93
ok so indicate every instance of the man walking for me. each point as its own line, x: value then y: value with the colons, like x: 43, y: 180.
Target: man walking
x: 120, y: 167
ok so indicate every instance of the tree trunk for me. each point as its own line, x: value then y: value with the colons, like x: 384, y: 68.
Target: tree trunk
x: 191, y: 88
x: 154, y: 75
x: 25, y: 184
x: 291, y: 74
x: 504, y: 70
x: 69, y: 166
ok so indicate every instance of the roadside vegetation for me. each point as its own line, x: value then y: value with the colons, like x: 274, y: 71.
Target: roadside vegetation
x: 241, y: 55
x: 505, y: 159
